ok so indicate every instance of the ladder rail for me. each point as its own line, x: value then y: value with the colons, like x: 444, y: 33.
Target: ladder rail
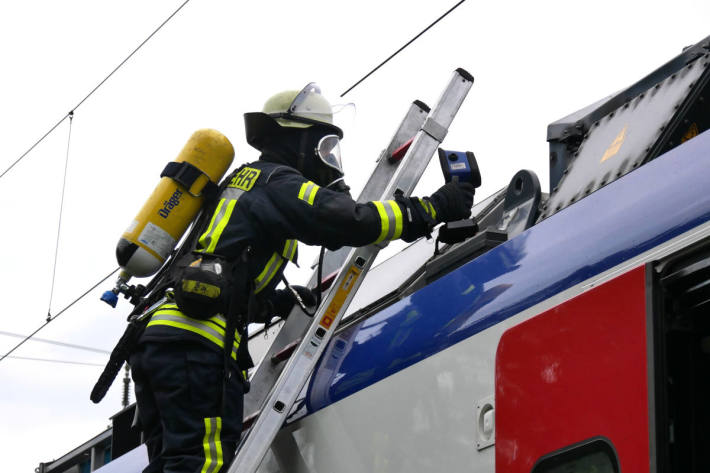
x: 283, y: 394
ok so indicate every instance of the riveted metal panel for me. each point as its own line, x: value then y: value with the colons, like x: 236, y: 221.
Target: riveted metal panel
x: 628, y: 136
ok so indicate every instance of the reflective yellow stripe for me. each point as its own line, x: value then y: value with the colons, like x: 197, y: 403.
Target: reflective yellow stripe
x: 264, y: 271
x: 190, y: 328
x: 217, y: 323
x: 204, y: 237
x: 172, y: 308
x: 428, y: 207
x: 220, y: 226
x: 391, y: 218
x: 289, y: 249
x: 203, y: 328
x: 218, y: 444
x: 312, y: 196
x: 423, y: 203
x: 385, y: 221
x: 302, y: 191
x: 398, y: 221
x: 206, y: 446
x: 308, y: 191
x: 212, y: 445
x: 269, y: 271
x: 433, y: 210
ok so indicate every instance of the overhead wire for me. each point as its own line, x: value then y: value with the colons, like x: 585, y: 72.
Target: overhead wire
x: 402, y: 48
x: 50, y: 360
x: 34, y: 145
x: 73, y: 109
x: 55, y: 342
x: 59, y: 224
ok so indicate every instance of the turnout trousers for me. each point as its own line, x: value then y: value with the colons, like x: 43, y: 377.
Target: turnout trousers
x: 178, y: 385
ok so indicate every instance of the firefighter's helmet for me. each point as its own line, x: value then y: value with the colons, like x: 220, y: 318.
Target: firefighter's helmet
x: 306, y: 113
x: 301, y: 109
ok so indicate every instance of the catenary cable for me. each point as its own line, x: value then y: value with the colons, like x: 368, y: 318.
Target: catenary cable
x: 402, y: 48
x: 59, y: 224
x: 58, y: 314
x: 68, y: 115
x: 67, y: 362
x: 55, y: 342
x: 34, y: 145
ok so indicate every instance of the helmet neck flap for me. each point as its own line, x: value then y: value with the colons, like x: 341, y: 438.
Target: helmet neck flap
x: 297, y: 148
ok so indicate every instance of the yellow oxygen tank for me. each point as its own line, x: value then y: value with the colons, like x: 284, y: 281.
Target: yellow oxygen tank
x: 178, y: 197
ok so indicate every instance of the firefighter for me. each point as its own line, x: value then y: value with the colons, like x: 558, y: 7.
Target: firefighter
x: 192, y: 414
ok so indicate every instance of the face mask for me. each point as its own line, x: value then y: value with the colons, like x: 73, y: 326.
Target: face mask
x: 328, y: 151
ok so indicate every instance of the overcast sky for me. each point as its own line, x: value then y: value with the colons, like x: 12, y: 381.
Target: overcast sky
x: 533, y: 62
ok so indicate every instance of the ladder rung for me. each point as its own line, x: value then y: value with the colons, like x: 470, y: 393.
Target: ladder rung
x: 399, y: 153
x: 327, y: 281
x: 249, y: 420
x: 287, y: 351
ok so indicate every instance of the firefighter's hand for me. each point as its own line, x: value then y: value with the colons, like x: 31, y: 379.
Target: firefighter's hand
x: 453, y: 201
x: 308, y: 297
x: 283, y: 300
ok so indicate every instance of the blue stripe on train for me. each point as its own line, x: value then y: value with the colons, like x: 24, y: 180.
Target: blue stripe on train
x: 638, y: 212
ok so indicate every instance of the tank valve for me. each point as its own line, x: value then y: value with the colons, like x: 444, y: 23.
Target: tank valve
x: 111, y: 297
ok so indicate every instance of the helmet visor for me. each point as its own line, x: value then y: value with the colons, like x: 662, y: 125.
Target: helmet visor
x: 328, y: 151
x: 301, y: 99
x: 310, y: 106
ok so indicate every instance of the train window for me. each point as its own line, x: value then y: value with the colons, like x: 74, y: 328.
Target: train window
x: 591, y: 456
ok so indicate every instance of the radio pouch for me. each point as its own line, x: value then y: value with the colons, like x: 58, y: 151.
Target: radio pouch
x: 203, y: 286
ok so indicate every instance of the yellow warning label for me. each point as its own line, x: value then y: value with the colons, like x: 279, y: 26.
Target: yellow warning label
x: 690, y: 133
x: 339, y: 299
x: 615, y: 145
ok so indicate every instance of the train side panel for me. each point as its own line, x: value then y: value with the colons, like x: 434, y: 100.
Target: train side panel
x: 576, y: 374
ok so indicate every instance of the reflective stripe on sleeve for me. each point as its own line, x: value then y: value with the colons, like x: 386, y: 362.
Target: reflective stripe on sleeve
x: 428, y: 208
x: 308, y: 191
x: 212, y: 445
x: 269, y: 271
x: 391, y: 220
x: 289, y: 250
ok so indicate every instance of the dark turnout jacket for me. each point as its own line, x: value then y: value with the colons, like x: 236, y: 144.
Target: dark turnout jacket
x: 269, y: 207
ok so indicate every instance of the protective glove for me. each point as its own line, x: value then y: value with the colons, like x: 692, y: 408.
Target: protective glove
x: 453, y: 201
x: 283, y: 300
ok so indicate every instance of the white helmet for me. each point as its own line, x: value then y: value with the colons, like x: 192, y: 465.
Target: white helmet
x: 301, y: 109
